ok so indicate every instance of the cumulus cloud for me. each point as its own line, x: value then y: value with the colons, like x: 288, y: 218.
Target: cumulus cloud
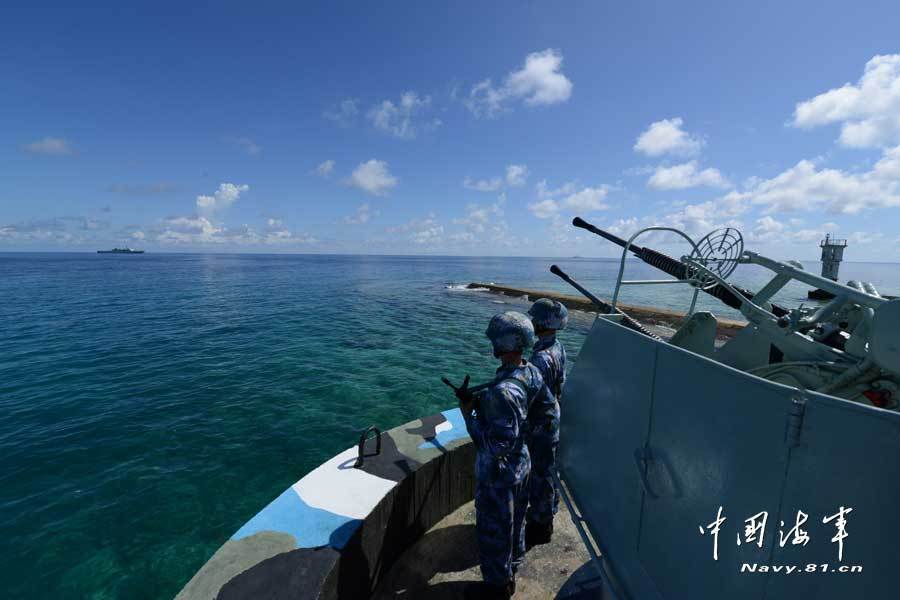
x: 422, y: 231
x: 869, y: 112
x: 405, y: 119
x: 478, y: 216
x: 544, y: 190
x: 325, y: 168
x: 362, y: 215
x: 516, y: 175
x: 225, y: 196
x: 50, y: 146
x: 539, y: 82
x: 768, y: 229
x: 344, y: 114
x: 667, y: 137
x: 588, y: 199
x: 544, y: 209
x: 373, y: 177
x: 483, y: 185
x: 687, y: 175
x: 200, y: 230
x: 808, y: 187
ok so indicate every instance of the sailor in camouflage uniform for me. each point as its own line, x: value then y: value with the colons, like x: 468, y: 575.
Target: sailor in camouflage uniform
x: 496, y: 419
x: 549, y: 357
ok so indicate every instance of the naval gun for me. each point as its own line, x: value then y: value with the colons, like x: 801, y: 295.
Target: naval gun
x: 848, y: 347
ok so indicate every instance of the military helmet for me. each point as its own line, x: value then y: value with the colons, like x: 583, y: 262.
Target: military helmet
x: 549, y: 314
x: 510, y: 332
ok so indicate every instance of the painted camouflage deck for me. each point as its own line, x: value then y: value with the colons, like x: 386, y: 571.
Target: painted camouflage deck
x: 335, y: 531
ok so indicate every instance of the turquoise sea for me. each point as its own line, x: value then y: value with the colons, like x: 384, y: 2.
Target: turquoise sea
x: 150, y: 405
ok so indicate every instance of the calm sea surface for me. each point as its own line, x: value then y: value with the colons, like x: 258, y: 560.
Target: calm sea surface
x: 149, y: 405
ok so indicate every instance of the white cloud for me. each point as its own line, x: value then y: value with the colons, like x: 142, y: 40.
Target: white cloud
x: 373, y: 177
x: 478, y: 215
x: 544, y: 209
x: 187, y: 229
x: 584, y: 201
x: 687, y: 175
x: 50, y: 146
x: 137, y: 235
x: 225, y: 196
x: 806, y: 187
x: 667, y: 137
x: 483, y: 185
x: 199, y: 230
x: 424, y: 231
x: 869, y: 112
x: 769, y: 229
x: 401, y: 120
x: 544, y: 190
x: 345, y: 113
x: 362, y: 215
x: 325, y: 168
x: 587, y: 200
x: 58, y: 230
x: 516, y: 175
x: 539, y: 82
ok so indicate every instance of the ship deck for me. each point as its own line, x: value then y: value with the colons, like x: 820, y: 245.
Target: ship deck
x: 445, y: 560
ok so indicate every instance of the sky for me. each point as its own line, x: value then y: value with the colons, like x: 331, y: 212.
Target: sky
x: 448, y: 128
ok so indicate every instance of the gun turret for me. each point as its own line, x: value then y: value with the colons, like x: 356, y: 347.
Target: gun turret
x: 675, y: 268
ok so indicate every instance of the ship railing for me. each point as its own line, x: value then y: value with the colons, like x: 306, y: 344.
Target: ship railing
x: 625, y: 249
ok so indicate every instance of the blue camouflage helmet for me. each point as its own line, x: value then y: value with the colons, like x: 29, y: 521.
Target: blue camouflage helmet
x: 549, y: 314
x: 510, y: 332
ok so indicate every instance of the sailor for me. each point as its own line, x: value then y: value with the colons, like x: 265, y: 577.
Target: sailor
x: 549, y: 356
x: 496, y: 419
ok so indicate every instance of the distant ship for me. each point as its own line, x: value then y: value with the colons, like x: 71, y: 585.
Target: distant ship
x: 120, y: 251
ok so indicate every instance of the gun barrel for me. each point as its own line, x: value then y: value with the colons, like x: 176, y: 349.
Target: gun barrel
x: 676, y: 268
x: 579, y: 222
x: 606, y: 308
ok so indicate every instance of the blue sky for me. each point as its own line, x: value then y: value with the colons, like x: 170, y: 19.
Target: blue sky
x: 425, y: 127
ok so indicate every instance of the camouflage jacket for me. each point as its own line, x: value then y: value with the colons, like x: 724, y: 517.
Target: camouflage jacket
x: 549, y: 356
x: 499, y: 424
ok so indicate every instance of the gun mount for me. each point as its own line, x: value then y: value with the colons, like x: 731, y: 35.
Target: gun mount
x: 849, y: 347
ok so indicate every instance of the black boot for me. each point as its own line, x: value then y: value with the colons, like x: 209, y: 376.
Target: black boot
x: 487, y: 591
x: 538, y: 533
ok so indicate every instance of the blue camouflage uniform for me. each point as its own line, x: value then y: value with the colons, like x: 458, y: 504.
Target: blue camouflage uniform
x: 549, y: 357
x: 497, y: 427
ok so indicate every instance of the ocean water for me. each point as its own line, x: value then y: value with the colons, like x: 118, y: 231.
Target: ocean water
x: 150, y: 405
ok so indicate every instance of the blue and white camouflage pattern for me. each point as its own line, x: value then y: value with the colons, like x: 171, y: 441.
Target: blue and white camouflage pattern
x: 498, y: 427
x: 510, y: 331
x: 549, y: 357
x: 321, y: 513
x: 549, y: 314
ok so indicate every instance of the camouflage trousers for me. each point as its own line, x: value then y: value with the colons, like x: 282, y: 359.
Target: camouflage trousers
x: 543, y: 497
x: 500, y: 524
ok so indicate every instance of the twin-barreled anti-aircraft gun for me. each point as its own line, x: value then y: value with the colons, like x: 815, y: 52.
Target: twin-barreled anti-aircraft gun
x: 848, y: 347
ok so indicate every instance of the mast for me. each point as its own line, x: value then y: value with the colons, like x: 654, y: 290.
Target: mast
x: 832, y: 255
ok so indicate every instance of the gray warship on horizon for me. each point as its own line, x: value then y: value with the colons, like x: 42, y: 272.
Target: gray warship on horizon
x: 691, y: 469
x: 125, y: 250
